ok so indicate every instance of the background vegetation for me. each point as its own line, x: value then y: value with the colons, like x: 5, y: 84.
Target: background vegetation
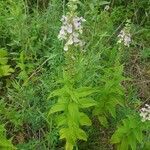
x: 31, y: 62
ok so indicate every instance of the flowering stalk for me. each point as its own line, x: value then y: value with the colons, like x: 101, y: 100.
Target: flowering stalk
x: 124, y: 35
x: 71, y: 101
x: 70, y: 33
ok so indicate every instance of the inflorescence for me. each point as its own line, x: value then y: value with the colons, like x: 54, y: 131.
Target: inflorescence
x: 124, y: 37
x: 145, y: 113
x: 71, y: 28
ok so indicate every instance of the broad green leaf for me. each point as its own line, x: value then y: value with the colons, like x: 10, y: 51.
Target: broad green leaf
x: 69, y: 135
x: 61, y: 120
x: 5, y: 70
x: 58, y: 92
x: 115, y: 139
x: 57, y: 108
x: 84, y: 119
x: 73, y: 110
x: 111, y: 109
x: 68, y: 146
x: 85, y: 91
x: 132, y: 140
x: 5, y: 143
x: 73, y: 96
x: 64, y: 133
x: 86, y: 102
x: 104, y: 3
x: 3, y: 57
x: 81, y: 135
x: 118, y: 135
x: 138, y: 134
x: 103, y: 121
x: 124, y: 144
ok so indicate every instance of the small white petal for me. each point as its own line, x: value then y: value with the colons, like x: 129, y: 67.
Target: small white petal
x: 66, y: 47
x: 69, y: 29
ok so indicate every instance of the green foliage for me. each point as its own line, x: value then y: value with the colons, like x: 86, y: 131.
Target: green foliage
x: 4, y: 142
x: 5, y: 69
x: 70, y: 105
x: 111, y: 93
x: 129, y: 134
x: 31, y: 62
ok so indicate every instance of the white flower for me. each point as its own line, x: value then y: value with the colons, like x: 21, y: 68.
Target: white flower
x: 76, y: 22
x: 145, y: 113
x: 124, y: 37
x: 76, y: 40
x: 107, y: 7
x: 127, y: 40
x: 71, y: 30
x: 64, y: 19
x: 66, y: 47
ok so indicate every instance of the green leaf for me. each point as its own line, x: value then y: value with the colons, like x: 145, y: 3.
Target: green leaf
x: 5, y: 70
x: 132, y: 141
x: 69, y: 135
x: 58, y: 92
x: 85, y: 91
x: 57, y: 108
x: 115, y: 139
x: 61, y: 120
x: 3, y: 57
x: 86, y: 102
x: 68, y: 146
x: 81, y: 135
x: 112, y: 110
x: 118, y: 135
x: 5, y: 143
x: 103, y: 121
x: 73, y: 110
x: 124, y: 144
x: 138, y: 134
x: 84, y: 119
x: 104, y: 3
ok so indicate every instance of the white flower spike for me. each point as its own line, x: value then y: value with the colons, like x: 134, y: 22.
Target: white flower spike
x: 145, y: 113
